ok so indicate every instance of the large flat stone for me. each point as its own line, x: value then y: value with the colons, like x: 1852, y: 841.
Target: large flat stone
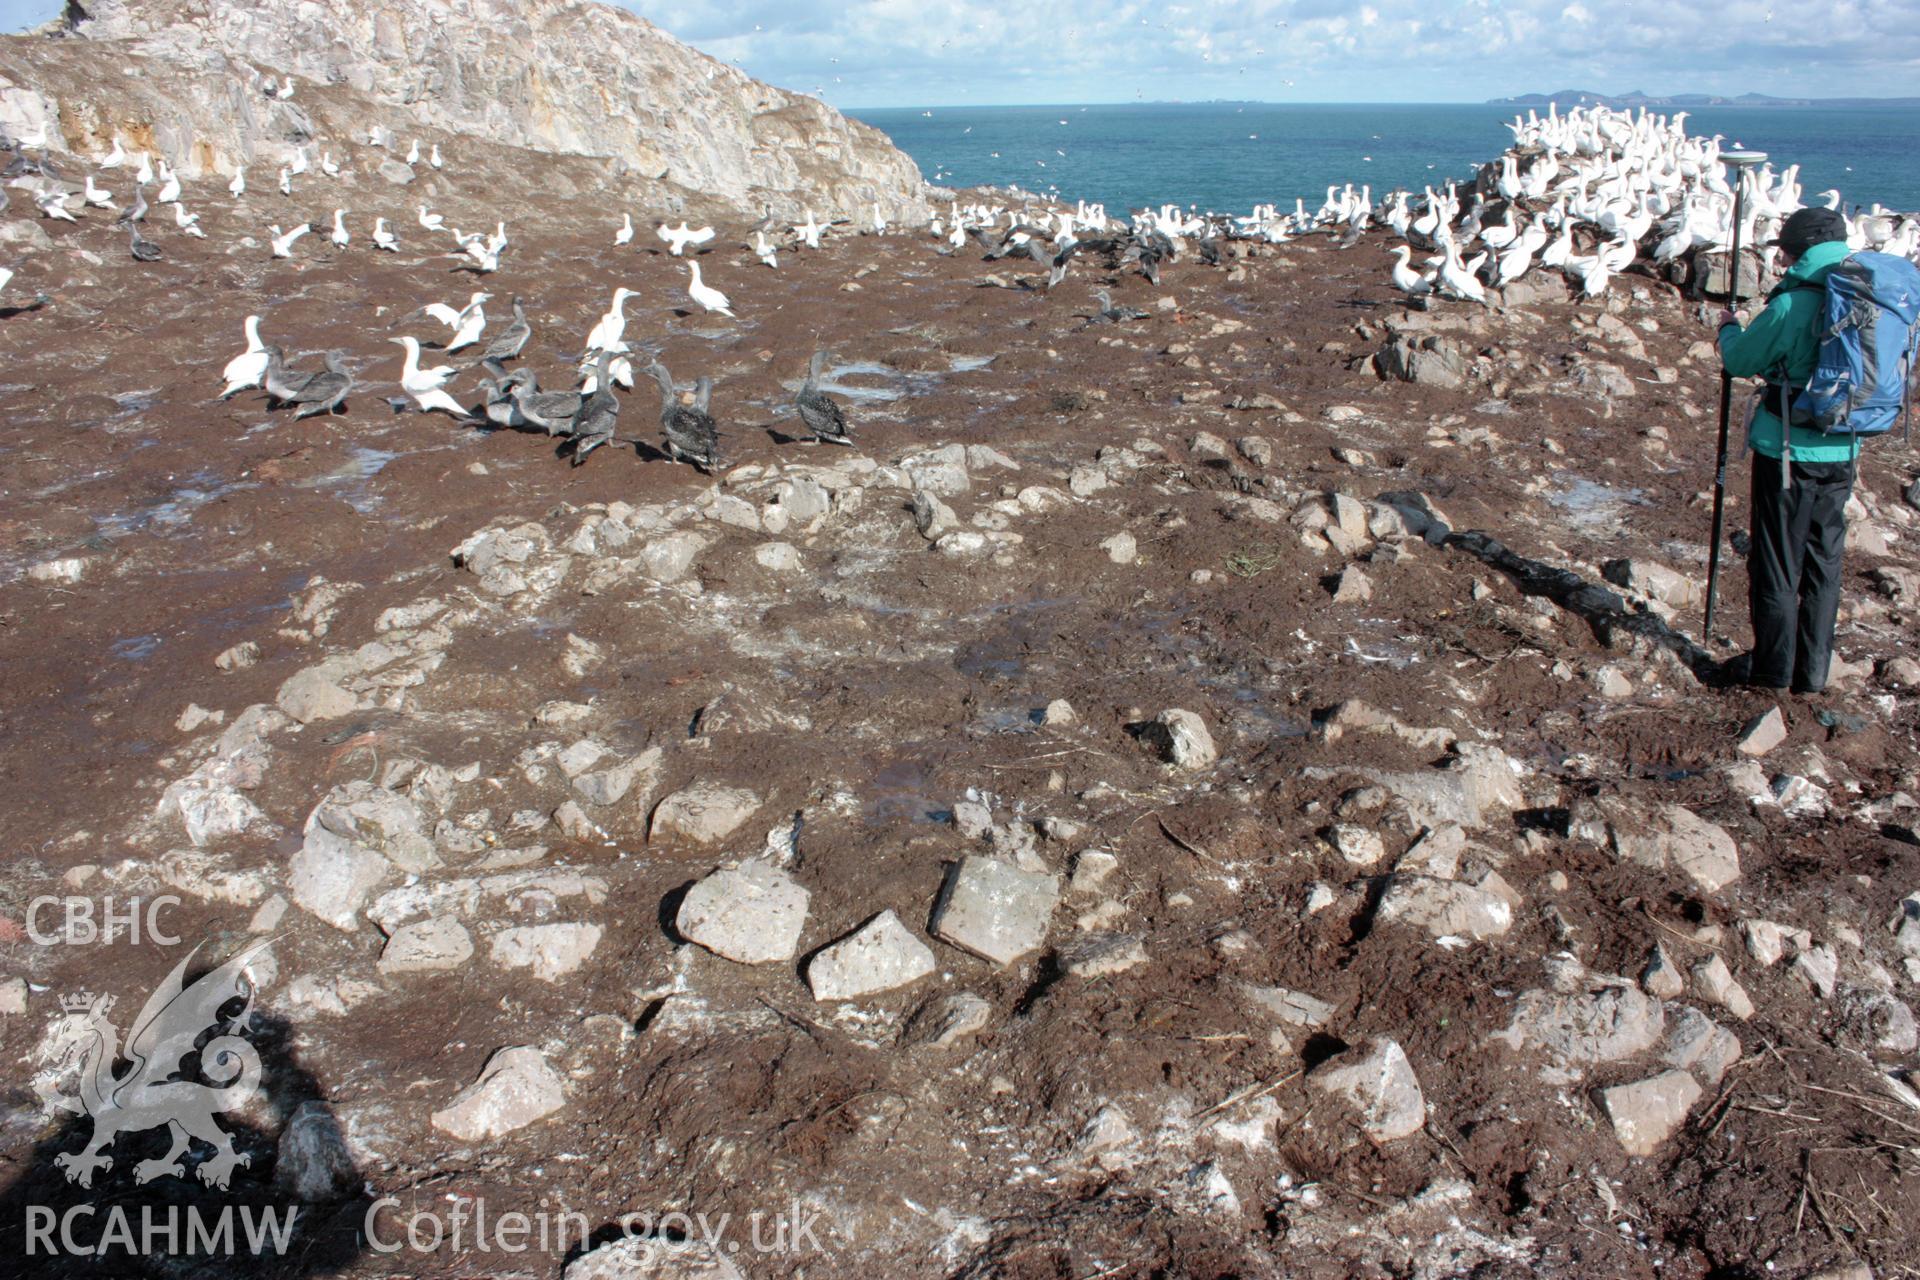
x: 550, y: 950
x: 752, y: 913
x: 514, y: 1089
x: 881, y: 955
x: 705, y: 813
x: 425, y: 946
x: 994, y: 909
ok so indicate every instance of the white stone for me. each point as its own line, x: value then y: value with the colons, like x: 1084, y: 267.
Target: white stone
x: 1648, y: 1112
x: 1714, y: 982
x: 1379, y: 1083
x: 1817, y: 969
x: 779, y: 557
x: 425, y: 946
x: 949, y: 1019
x: 705, y: 813
x: 309, y: 695
x: 1676, y: 837
x: 515, y: 1088
x: 1295, y: 1008
x: 550, y: 950
x: 1183, y: 739
x: 1121, y: 548
x: 1353, y: 587
x: 1763, y: 733
x: 752, y: 914
x: 882, y: 955
x: 1100, y: 954
x: 603, y: 787
x: 1360, y: 846
x: 1445, y: 908
x: 638, y: 1257
x: 1661, y: 978
x: 333, y: 877
x: 994, y: 909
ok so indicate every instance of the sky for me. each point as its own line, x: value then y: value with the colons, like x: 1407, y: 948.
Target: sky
x: 879, y: 53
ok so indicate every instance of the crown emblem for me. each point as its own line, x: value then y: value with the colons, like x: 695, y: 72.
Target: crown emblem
x: 83, y: 1001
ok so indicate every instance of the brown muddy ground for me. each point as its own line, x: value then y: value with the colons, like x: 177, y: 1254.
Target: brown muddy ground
x: 871, y: 691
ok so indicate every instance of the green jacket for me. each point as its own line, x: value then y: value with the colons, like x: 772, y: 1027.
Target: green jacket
x: 1787, y: 335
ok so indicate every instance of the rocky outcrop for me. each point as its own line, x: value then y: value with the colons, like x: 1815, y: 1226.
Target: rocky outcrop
x: 569, y: 77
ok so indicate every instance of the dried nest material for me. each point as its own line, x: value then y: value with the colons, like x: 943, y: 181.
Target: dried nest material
x: 1251, y: 562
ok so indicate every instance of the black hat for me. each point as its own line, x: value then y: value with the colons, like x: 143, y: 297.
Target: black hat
x: 1808, y: 227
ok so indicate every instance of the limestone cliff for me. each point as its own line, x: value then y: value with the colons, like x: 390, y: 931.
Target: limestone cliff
x: 571, y: 77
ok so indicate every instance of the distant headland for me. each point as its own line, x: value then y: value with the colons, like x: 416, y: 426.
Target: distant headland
x: 1580, y: 97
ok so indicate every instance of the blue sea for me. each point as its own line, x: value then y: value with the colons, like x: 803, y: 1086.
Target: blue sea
x: 1230, y: 156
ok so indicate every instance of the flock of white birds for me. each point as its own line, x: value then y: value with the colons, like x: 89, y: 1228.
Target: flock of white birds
x: 1586, y: 194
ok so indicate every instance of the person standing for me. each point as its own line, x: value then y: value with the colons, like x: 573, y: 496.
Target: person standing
x: 1802, y: 477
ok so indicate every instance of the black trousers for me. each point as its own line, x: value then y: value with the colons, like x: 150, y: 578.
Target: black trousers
x: 1793, y: 570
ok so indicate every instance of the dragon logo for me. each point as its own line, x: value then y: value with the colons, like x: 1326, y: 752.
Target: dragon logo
x: 145, y: 1095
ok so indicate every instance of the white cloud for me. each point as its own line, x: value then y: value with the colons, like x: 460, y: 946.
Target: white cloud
x: 877, y: 52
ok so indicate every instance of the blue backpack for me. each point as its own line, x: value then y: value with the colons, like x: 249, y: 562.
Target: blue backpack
x: 1868, y: 334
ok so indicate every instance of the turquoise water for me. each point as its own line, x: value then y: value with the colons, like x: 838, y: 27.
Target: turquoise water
x: 1231, y: 156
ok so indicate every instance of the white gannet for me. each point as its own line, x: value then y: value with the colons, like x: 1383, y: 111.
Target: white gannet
x: 238, y: 187
x: 432, y: 221
x: 246, y: 370
x: 383, y: 238
x: 143, y: 175
x: 340, y: 237
x: 116, y: 157
x: 297, y: 163
x: 413, y: 153
x: 283, y: 241
x: 809, y: 231
x: 624, y: 236
x: 286, y: 89
x: 471, y: 323
x: 96, y: 197
x: 188, y: 222
x: 764, y: 250
x: 1458, y: 278
x: 53, y: 204
x: 678, y: 238
x: 706, y: 295
x: 607, y: 335
x: 286, y: 182
x: 434, y: 158
x: 424, y: 385
x: 459, y: 320
x: 482, y: 257
x: 1405, y: 278
x: 327, y: 166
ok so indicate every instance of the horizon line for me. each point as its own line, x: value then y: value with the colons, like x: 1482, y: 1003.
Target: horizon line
x: 1353, y: 102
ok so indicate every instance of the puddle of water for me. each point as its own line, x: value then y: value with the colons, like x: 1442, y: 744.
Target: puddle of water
x: 134, y: 648
x: 362, y: 464
x: 132, y: 402
x: 170, y: 512
x: 834, y: 380
x: 1588, y: 502
x: 899, y: 791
